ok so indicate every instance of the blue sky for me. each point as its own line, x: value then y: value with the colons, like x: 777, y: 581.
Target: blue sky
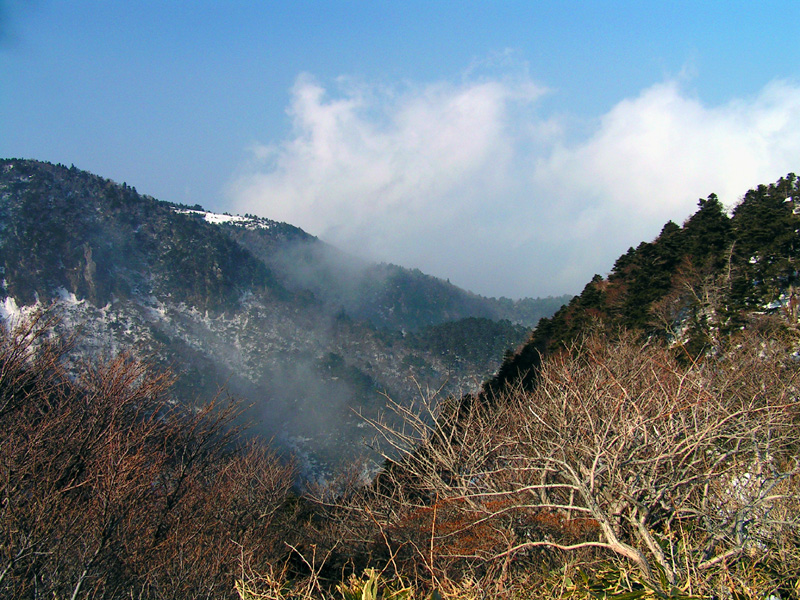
x: 516, y: 148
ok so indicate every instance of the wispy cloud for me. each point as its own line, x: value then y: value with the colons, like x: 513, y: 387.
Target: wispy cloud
x: 468, y: 180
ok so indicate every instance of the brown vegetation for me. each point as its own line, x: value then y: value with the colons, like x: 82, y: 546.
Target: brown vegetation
x: 688, y: 473
x: 109, y: 490
x: 641, y: 472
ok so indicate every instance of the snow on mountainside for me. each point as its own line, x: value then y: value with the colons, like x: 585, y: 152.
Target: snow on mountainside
x: 307, y: 335
x: 218, y: 219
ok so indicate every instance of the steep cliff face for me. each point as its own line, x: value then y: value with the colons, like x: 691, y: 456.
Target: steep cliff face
x: 307, y: 335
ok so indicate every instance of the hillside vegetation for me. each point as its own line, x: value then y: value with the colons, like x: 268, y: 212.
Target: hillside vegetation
x: 109, y: 490
x: 306, y: 334
x: 692, y: 286
x: 645, y: 443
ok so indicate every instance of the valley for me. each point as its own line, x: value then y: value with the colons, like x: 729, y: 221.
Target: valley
x: 312, y: 339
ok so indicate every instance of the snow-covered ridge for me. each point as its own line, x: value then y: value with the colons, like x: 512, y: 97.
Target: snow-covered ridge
x: 219, y: 219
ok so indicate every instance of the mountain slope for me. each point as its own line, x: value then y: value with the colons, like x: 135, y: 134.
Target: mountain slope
x: 68, y: 229
x: 691, y: 286
x: 386, y: 295
x: 307, y: 335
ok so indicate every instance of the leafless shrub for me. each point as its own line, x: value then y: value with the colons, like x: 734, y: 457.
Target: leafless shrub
x: 687, y: 472
x: 110, y: 489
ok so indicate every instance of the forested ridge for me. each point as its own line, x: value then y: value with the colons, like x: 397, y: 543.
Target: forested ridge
x: 244, y: 302
x: 692, y: 286
x: 644, y: 443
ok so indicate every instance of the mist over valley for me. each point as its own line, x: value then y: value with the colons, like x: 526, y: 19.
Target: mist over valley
x: 311, y: 338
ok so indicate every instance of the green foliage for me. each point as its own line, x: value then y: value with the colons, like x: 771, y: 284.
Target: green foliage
x: 615, y: 581
x: 373, y: 586
x: 473, y: 339
x: 766, y: 246
x: 707, y: 233
x: 692, y: 284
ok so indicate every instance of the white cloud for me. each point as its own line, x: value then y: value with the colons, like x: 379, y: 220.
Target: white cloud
x: 467, y: 181
x: 653, y: 156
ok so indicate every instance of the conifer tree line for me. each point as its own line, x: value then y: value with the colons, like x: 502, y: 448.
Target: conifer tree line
x: 692, y: 286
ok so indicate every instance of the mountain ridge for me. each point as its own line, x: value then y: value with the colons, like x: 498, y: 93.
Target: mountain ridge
x: 652, y: 449
x: 692, y: 286
x: 187, y: 287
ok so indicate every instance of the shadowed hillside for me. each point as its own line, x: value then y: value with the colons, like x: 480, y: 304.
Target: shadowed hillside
x: 309, y: 336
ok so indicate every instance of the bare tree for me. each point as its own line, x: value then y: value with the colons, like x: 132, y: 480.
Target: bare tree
x: 111, y: 489
x: 686, y: 472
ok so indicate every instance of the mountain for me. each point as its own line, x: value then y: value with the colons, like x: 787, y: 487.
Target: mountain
x: 653, y: 420
x: 386, y: 295
x: 643, y: 440
x: 691, y: 287
x: 305, y: 333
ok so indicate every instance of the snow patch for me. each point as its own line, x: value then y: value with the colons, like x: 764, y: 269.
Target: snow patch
x: 68, y: 298
x: 9, y: 309
x: 218, y: 219
x: 12, y: 313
